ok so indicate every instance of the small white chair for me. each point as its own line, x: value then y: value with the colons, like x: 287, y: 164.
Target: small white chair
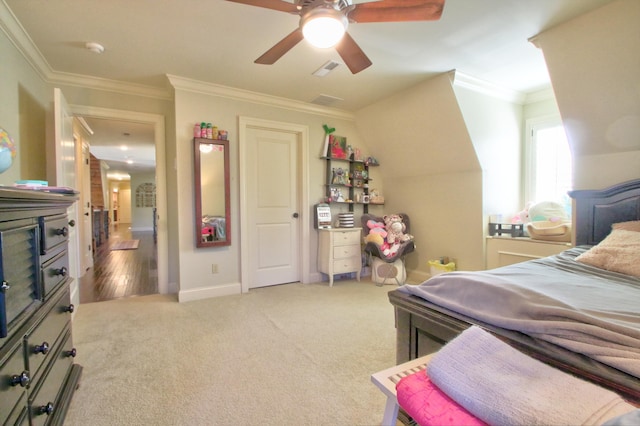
x: 386, y: 381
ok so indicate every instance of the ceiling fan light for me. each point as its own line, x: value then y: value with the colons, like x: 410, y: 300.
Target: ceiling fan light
x: 324, y: 27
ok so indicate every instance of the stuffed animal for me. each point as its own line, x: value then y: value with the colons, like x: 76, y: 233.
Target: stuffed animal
x: 523, y: 215
x: 377, y: 232
x: 396, y: 230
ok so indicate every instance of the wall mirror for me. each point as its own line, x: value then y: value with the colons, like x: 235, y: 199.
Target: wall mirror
x: 213, y: 221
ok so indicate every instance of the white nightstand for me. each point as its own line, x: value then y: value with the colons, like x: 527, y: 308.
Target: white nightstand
x: 503, y: 251
x: 339, y: 252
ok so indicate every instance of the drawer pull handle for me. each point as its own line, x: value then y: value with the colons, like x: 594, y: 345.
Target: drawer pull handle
x: 64, y: 231
x: 61, y: 271
x: 22, y: 379
x: 46, y: 409
x: 70, y: 308
x: 72, y: 353
x: 5, y: 286
x: 42, y: 349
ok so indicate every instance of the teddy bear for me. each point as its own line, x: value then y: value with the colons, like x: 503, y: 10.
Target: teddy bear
x: 395, y: 229
x: 395, y: 234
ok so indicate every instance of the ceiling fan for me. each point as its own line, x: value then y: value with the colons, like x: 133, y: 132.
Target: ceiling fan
x: 337, y: 14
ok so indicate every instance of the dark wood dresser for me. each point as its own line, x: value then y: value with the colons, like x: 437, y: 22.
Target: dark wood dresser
x: 37, y: 371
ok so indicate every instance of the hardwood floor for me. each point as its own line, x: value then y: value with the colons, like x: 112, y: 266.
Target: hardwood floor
x: 121, y: 273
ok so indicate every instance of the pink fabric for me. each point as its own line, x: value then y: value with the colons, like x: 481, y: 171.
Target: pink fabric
x: 429, y: 406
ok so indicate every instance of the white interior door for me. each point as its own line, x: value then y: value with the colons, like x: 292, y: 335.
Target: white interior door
x: 64, y: 151
x: 124, y: 205
x: 273, y: 207
x: 86, y: 245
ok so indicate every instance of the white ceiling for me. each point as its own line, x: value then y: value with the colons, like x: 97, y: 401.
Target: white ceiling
x: 217, y: 41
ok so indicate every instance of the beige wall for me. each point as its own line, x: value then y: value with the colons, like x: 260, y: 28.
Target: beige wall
x: 430, y: 171
x: 23, y: 110
x: 193, y: 106
x: 141, y: 217
x: 594, y: 64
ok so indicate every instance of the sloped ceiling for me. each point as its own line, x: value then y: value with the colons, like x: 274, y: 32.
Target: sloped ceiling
x: 594, y: 62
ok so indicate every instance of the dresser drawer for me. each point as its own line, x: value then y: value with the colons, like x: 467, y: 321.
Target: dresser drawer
x: 19, y: 276
x: 43, y: 340
x: 11, y: 370
x: 44, y: 402
x: 346, y: 265
x: 341, y: 252
x: 55, y: 230
x: 342, y: 238
x: 55, y: 271
x: 19, y: 416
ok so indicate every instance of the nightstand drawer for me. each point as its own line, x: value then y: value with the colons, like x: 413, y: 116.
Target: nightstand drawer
x: 346, y: 265
x: 341, y: 252
x: 342, y: 238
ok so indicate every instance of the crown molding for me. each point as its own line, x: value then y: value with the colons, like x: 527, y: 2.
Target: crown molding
x: 19, y: 37
x: 212, y: 89
x: 107, y: 85
x: 466, y: 81
x: 541, y: 95
x: 16, y: 33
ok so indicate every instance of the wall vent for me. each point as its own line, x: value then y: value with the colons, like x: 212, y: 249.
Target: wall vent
x: 326, y: 68
x: 326, y: 100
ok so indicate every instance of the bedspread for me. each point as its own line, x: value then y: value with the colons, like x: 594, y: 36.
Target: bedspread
x: 579, y: 307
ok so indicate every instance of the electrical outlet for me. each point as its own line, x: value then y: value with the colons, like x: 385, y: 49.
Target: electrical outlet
x: 214, y: 268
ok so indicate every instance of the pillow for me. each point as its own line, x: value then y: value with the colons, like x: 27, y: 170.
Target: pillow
x: 618, y: 252
x: 633, y: 225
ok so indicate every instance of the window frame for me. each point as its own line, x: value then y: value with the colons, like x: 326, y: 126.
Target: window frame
x: 529, y: 160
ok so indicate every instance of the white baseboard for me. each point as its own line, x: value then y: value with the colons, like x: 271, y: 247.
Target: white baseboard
x: 208, y: 292
x: 315, y: 278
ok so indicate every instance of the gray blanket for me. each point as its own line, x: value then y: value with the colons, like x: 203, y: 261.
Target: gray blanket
x: 502, y: 386
x: 581, y: 308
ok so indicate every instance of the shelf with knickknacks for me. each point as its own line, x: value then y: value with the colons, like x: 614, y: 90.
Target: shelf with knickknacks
x: 347, y: 173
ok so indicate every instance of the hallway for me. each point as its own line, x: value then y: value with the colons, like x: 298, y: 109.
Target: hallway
x: 121, y: 273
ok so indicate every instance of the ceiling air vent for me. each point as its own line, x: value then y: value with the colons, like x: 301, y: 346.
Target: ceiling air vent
x: 326, y: 100
x: 326, y: 68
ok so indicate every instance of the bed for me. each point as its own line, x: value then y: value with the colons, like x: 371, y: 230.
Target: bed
x: 427, y: 320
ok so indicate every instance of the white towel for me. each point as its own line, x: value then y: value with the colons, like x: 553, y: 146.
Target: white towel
x: 503, y: 386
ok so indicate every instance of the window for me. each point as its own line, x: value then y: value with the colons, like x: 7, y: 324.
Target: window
x: 548, y: 165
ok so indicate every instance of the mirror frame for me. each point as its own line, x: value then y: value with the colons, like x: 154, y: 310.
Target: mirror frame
x: 197, y: 142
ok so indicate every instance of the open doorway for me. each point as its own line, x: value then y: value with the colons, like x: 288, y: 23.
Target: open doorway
x: 130, y: 253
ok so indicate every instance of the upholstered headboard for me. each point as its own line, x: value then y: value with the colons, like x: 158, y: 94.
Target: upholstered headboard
x: 596, y: 210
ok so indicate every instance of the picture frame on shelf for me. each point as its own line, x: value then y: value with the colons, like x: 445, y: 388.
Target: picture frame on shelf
x: 338, y: 147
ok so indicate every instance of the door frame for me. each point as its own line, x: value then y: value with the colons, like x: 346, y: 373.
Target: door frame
x: 302, y: 132
x: 158, y: 123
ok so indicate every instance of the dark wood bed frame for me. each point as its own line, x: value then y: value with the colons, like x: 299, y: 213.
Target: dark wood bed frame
x: 423, y: 327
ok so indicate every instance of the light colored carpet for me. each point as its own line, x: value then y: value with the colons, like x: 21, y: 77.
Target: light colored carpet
x: 126, y: 245
x: 286, y: 355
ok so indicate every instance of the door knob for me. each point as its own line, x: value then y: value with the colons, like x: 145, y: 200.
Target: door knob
x: 295, y: 215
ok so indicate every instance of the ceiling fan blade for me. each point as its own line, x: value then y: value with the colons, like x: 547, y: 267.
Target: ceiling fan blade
x: 397, y: 11
x: 280, y: 5
x: 352, y: 55
x: 282, y: 47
